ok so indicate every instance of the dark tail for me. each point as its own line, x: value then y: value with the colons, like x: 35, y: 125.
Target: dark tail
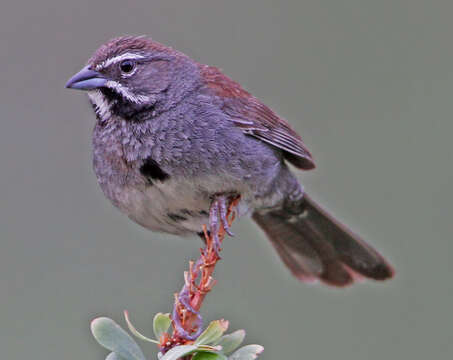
x: 315, y: 246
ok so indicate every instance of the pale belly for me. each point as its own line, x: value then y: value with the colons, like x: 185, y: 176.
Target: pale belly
x: 177, y: 207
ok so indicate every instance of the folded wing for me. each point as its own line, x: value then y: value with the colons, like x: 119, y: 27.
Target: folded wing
x: 256, y: 119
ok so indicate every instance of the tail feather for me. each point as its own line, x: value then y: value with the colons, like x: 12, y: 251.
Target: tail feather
x: 315, y: 246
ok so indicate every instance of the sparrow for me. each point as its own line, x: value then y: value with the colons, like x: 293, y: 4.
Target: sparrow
x: 176, y: 140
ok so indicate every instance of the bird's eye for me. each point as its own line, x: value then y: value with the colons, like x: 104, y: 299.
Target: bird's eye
x: 127, y: 66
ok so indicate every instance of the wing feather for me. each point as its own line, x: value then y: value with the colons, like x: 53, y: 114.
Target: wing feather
x: 256, y: 119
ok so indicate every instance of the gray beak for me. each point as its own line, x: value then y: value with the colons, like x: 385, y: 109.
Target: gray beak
x: 86, y: 79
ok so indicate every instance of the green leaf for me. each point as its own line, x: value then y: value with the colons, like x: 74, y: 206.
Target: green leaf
x: 203, y: 355
x: 208, y: 348
x: 179, y: 351
x: 111, y: 336
x: 135, y: 332
x: 161, y: 323
x: 249, y: 352
x: 230, y: 342
x: 213, y: 332
x: 113, y: 356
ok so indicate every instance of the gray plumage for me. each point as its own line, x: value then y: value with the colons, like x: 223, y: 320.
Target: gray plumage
x: 184, y: 141
x: 172, y: 133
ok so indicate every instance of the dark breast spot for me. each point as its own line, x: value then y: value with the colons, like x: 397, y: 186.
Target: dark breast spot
x: 152, y: 171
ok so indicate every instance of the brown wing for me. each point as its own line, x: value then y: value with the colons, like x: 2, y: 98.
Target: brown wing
x: 256, y: 119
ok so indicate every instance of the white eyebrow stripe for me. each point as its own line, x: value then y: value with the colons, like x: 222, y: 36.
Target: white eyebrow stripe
x: 113, y: 60
x: 125, y: 92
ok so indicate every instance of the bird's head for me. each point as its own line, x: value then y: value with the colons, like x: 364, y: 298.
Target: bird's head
x: 133, y: 74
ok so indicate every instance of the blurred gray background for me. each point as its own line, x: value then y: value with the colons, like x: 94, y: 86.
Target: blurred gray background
x: 368, y: 84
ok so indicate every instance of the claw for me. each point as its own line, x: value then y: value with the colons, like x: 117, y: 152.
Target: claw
x: 183, y: 298
x: 180, y: 329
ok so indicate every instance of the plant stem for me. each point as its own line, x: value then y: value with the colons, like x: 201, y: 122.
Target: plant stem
x: 198, y: 282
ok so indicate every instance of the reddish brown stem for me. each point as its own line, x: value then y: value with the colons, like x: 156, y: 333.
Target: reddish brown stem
x: 198, y: 283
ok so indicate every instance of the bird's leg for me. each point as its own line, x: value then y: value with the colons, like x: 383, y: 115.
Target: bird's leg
x: 218, y: 218
x: 214, y: 224
x: 224, y: 202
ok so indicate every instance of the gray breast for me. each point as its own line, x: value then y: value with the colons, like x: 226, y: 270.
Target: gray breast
x: 163, y: 172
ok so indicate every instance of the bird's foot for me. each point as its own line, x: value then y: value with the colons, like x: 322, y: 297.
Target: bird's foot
x: 218, y: 217
x: 184, y: 299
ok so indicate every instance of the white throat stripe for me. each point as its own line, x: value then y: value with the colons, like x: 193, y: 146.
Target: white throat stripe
x: 125, y: 92
x: 102, y: 106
